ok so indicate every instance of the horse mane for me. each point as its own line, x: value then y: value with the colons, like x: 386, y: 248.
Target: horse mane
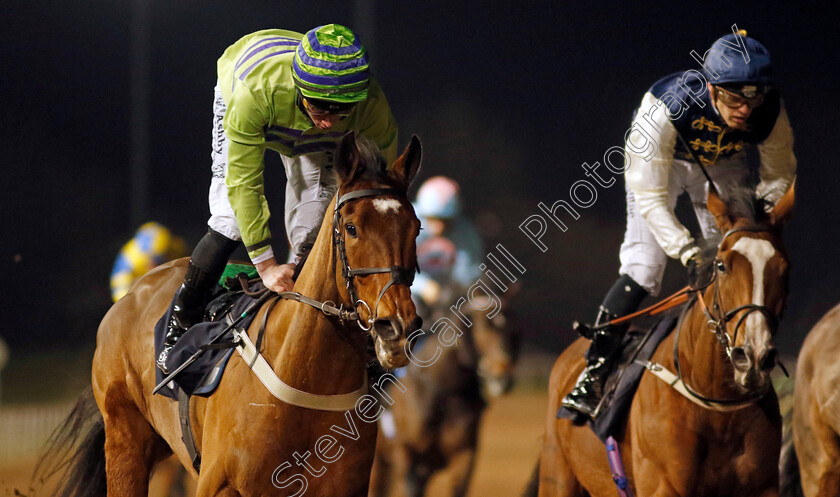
x: 742, y: 203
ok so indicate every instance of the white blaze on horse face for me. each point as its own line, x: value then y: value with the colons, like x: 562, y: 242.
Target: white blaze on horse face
x: 384, y: 205
x: 757, y: 252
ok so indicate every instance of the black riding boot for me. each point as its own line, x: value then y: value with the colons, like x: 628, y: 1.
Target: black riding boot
x: 623, y: 298
x: 207, y: 263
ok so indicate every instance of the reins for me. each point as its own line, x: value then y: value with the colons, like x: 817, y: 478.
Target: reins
x: 717, y: 320
x: 399, y: 275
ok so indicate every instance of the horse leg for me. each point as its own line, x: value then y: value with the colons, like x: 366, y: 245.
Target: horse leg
x: 132, y: 448
x: 460, y: 469
x: 410, y: 476
x: 556, y: 476
x: 824, y: 470
x: 381, y: 474
x: 416, y: 480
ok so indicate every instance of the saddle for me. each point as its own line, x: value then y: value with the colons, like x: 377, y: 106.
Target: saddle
x: 638, y: 346
x: 228, y: 299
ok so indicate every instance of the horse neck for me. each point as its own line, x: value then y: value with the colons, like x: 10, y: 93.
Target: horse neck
x: 703, y: 362
x: 321, y: 352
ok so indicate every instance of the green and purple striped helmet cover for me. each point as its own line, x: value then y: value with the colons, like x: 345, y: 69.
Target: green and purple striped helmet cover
x: 331, y: 64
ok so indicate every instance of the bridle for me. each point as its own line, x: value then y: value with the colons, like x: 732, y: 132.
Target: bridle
x: 717, y: 320
x: 399, y: 275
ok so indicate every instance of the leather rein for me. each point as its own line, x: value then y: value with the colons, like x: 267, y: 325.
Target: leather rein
x: 399, y: 275
x: 717, y: 320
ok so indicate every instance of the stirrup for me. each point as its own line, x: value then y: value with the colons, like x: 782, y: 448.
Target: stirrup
x: 584, y: 408
x: 583, y: 330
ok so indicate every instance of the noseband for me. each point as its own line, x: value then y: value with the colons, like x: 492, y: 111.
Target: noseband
x: 399, y: 275
x: 718, y: 318
x: 717, y: 323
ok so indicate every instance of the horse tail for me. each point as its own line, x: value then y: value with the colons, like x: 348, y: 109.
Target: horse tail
x: 76, y: 452
x: 790, y: 480
x: 533, y: 487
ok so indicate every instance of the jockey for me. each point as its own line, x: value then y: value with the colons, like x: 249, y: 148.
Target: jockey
x: 151, y: 246
x: 297, y: 95
x: 448, y: 246
x: 689, y: 117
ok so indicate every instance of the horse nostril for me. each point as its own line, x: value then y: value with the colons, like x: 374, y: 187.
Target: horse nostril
x: 387, y: 329
x: 740, y: 359
x: 768, y: 362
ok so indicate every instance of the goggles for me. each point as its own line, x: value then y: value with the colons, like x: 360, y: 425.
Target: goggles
x: 323, y: 108
x: 733, y: 100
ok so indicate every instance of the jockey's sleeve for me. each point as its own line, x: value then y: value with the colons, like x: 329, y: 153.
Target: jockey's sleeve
x: 245, y: 121
x: 650, y: 149
x: 377, y: 122
x: 778, y: 163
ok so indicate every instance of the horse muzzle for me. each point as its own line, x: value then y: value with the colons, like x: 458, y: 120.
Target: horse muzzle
x: 390, y: 337
x: 752, y: 369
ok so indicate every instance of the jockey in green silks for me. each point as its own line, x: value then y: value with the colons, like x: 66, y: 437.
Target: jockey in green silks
x: 296, y: 95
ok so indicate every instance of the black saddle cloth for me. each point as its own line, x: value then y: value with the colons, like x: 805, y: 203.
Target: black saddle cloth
x: 202, y: 376
x: 623, y: 381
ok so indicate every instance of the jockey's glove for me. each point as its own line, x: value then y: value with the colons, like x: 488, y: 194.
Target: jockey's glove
x: 693, y: 265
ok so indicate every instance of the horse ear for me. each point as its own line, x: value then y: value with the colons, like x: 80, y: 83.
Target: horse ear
x: 783, y: 210
x: 348, y: 159
x: 406, y: 166
x: 718, y: 209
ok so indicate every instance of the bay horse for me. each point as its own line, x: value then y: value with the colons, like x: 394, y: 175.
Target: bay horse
x: 816, y: 413
x: 722, y: 436
x: 435, y: 421
x: 252, y: 444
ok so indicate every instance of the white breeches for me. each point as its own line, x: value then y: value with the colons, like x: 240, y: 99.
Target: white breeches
x: 310, y: 186
x: 641, y: 256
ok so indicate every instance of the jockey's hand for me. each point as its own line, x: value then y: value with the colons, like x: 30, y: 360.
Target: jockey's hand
x: 276, y: 277
x: 694, y: 265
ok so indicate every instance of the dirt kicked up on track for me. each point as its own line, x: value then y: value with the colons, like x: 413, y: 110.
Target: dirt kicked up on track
x: 510, y: 440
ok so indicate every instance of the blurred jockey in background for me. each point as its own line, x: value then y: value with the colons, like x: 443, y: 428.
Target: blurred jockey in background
x: 449, y: 246
x: 151, y: 246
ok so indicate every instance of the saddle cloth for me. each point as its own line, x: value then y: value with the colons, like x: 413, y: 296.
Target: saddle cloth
x: 202, y: 376
x: 623, y: 381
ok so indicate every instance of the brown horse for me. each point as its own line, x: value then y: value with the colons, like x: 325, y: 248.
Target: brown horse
x: 816, y: 412
x: 251, y: 443
x: 721, y: 437
x: 435, y: 420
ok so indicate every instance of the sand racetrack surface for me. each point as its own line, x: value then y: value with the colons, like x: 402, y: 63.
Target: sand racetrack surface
x: 511, y: 434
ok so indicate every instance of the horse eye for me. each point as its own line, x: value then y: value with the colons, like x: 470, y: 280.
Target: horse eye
x: 350, y: 229
x: 720, y: 266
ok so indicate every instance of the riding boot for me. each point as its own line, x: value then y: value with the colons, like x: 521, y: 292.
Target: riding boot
x: 623, y: 298
x: 206, y: 265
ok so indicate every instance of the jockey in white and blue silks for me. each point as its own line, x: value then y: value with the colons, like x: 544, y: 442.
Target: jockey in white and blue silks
x: 438, y: 206
x: 712, y: 118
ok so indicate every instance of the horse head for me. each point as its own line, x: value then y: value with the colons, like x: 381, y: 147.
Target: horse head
x: 749, y: 284
x: 374, y: 230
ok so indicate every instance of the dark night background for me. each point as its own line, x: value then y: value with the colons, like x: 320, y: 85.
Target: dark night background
x: 508, y: 98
